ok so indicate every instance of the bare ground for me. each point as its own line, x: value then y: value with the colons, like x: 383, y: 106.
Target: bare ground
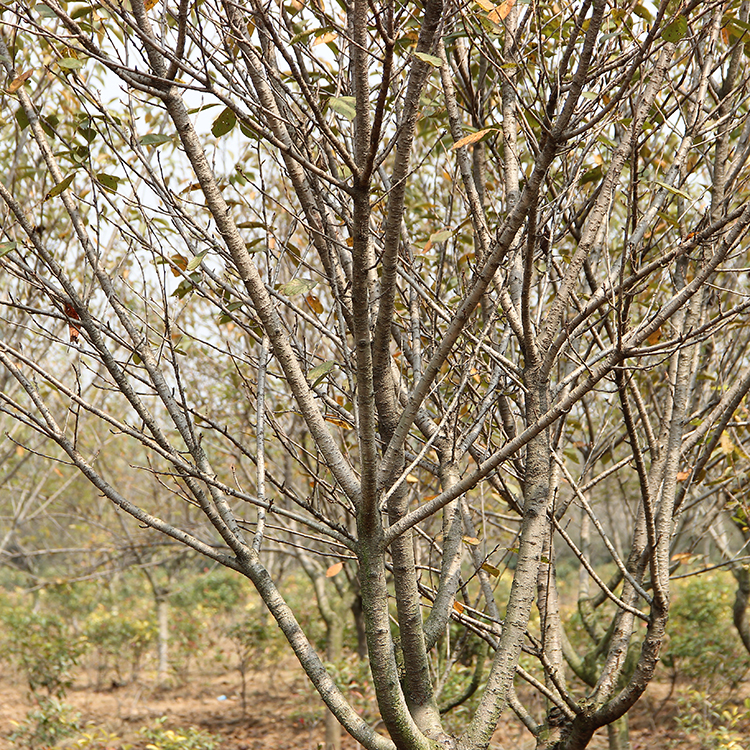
x: 282, y: 713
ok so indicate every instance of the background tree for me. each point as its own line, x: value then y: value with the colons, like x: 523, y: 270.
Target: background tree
x: 463, y: 270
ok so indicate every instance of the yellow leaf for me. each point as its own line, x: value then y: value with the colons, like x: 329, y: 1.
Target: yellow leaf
x: 472, y: 540
x: 148, y: 4
x: 491, y: 569
x: 458, y: 607
x: 682, y: 557
x: 190, y: 188
x: 315, y: 304
x: 181, y: 262
x: 338, y: 422
x: 467, y: 140
x: 19, y: 81
x: 411, y: 479
x: 727, y: 446
x: 653, y: 339
x: 485, y: 5
x: 329, y: 36
x: 502, y: 10
x: 683, y: 475
x: 335, y: 568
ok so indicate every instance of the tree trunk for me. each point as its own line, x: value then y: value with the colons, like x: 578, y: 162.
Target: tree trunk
x: 334, y: 647
x: 359, y: 624
x: 162, y: 613
x: 741, y: 601
x: 618, y: 734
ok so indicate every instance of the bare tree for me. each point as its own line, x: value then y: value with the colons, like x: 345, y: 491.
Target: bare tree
x: 431, y: 283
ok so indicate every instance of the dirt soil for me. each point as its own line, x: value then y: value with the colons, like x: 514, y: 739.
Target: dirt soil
x: 282, y: 713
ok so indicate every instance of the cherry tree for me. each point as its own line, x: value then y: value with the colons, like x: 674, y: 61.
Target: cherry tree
x: 434, y: 291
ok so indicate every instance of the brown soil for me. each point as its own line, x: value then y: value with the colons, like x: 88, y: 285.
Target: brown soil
x: 282, y: 713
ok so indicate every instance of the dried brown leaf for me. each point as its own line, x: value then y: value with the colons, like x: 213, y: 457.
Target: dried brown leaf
x: 334, y: 569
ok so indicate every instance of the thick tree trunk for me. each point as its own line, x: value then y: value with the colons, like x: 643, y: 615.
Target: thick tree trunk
x: 742, y: 600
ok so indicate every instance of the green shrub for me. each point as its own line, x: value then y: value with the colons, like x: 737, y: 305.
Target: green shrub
x: 713, y: 725
x: 118, y: 634
x: 220, y: 589
x: 44, y: 647
x: 259, y: 641
x: 258, y: 644
x: 96, y: 738
x: 190, y: 633
x: 45, y: 725
x: 178, y: 739
x: 354, y: 677
x: 703, y: 643
x: 73, y: 601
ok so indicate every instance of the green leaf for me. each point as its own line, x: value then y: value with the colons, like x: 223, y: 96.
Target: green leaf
x: 89, y: 134
x: 154, y: 139
x: 45, y: 11
x: 441, y: 236
x: 226, y: 317
x: 49, y: 124
x: 195, y: 110
x: 297, y: 286
x: 436, y: 62
x: 70, y: 63
x: 672, y: 189
x: 185, y: 287
x: 572, y: 454
x: 248, y: 132
x: 343, y: 105
x: 675, y: 30
x: 7, y: 247
x: 301, y: 37
x: 317, y: 373
x: 21, y: 119
x: 738, y: 23
x: 223, y: 123
x: 196, y: 261
x: 60, y: 187
x: 82, y: 11
x: 108, y: 181
x: 591, y: 176
x: 643, y: 12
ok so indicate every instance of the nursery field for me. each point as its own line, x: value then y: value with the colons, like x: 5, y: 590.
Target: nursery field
x: 82, y: 671
x: 375, y: 372
x: 284, y: 714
